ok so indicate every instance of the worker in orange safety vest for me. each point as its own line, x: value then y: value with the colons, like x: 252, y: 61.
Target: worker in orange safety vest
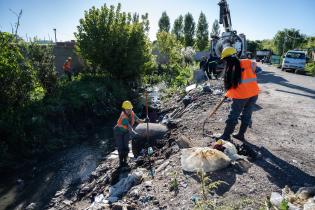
x: 241, y: 86
x: 67, y: 67
x: 123, y: 131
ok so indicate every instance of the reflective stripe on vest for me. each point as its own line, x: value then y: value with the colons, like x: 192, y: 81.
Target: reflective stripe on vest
x: 124, y: 116
x: 248, y: 80
x: 248, y: 86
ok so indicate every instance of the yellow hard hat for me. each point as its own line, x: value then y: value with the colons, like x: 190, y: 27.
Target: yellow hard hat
x: 220, y: 142
x: 228, y: 51
x: 127, y: 105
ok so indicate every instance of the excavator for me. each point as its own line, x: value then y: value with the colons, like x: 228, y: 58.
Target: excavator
x: 229, y: 37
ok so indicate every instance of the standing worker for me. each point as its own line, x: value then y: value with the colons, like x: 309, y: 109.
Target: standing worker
x: 240, y: 81
x: 204, y: 66
x: 67, y: 67
x: 123, y: 131
x: 212, y: 65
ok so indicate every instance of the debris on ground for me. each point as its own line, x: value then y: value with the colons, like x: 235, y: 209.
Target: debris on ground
x: 203, y: 159
x: 304, y: 199
x: 249, y: 171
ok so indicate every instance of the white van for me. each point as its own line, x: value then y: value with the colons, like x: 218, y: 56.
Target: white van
x: 294, y: 60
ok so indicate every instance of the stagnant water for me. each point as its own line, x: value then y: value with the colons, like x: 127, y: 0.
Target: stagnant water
x: 66, y: 169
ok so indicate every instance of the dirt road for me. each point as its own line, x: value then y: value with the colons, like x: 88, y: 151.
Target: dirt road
x: 286, y: 122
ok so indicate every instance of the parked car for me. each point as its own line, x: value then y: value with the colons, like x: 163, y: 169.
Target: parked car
x: 294, y: 60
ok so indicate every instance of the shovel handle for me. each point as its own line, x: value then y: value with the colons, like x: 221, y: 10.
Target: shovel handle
x: 147, y: 113
x: 212, y: 113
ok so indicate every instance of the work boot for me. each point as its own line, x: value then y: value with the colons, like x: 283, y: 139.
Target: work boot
x: 240, y: 136
x: 125, y: 159
x: 227, y: 133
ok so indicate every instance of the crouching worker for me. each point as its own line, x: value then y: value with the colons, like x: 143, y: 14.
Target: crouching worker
x: 240, y: 82
x: 124, y: 130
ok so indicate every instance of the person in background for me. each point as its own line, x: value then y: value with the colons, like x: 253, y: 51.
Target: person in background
x: 123, y: 131
x: 67, y: 67
x: 212, y: 65
x: 203, y: 65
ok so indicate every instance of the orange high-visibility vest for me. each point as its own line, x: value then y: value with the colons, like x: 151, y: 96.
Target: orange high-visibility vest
x: 67, y: 66
x: 124, y: 116
x: 248, y: 86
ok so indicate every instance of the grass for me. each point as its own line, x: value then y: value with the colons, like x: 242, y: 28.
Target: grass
x: 310, y: 68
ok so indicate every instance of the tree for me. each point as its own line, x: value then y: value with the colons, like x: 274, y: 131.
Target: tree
x: 253, y: 46
x: 288, y: 39
x: 114, y: 42
x: 178, y: 28
x: 146, y: 22
x: 170, y: 50
x: 189, y: 30
x: 42, y: 60
x: 164, y: 23
x: 202, y: 32
x: 215, y: 28
x: 17, y: 77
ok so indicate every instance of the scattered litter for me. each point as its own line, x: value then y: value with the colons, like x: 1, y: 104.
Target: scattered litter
x: 203, y: 158
x: 190, y: 87
x: 161, y: 167
x: 207, y: 89
x: 122, y: 187
x: 217, y: 92
x: 187, y: 100
x: 303, y: 199
x: 195, y: 198
x: 99, y: 198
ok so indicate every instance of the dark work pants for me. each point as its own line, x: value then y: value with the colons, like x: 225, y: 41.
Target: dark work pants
x: 122, y: 141
x: 244, y: 107
x: 212, y: 68
x: 69, y: 74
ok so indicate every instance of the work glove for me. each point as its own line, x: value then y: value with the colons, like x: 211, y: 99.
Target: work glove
x: 146, y: 120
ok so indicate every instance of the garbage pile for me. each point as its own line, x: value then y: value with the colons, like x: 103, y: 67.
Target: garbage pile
x: 209, y: 159
x: 303, y: 199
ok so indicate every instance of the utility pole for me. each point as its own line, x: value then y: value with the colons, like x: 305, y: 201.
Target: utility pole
x: 55, y: 35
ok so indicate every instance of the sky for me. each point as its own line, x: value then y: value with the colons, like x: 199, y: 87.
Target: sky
x: 257, y: 19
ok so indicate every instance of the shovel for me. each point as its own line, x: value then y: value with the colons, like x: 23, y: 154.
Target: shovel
x: 150, y: 150
x: 212, y: 113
